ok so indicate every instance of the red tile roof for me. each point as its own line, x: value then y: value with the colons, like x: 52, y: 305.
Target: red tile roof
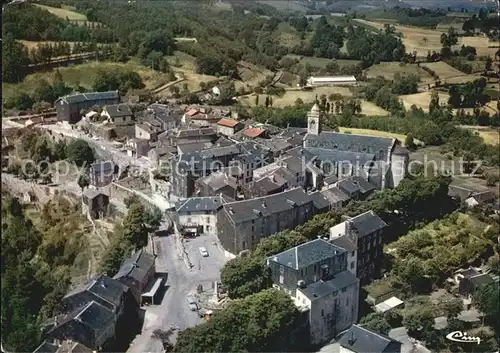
x: 254, y: 132
x: 192, y: 112
x: 227, y: 122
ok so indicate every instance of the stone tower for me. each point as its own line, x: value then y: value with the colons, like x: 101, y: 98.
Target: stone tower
x: 313, y: 121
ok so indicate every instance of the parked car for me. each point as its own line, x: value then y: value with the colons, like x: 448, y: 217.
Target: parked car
x: 203, y: 252
x: 193, y: 305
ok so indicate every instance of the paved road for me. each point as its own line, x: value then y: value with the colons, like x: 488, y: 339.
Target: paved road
x: 181, y: 281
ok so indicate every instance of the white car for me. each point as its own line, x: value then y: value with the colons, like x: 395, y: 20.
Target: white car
x: 203, y: 252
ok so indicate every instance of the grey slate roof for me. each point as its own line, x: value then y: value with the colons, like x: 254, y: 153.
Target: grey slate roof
x: 103, y: 287
x: 199, y: 204
x: 196, y: 132
x: 334, y: 195
x: 332, y: 179
x: 267, y: 184
x: 220, y: 151
x: 355, y: 184
x: 367, y: 223
x: 320, y: 201
x: 348, y: 142
x: 327, y: 155
x: 307, y: 254
x: 365, y: 340
x: 194, y: 147
x: 243, y: 211
x: 275, y: 144
x: 90, y: 193
x: 317, y: 290
x: 344, y: 243
x: 136, y: 266
x: 96, y: 316
x: 46, y: 347
x: 82, y: 97
x: 481, y: 280
x: 118, y: 110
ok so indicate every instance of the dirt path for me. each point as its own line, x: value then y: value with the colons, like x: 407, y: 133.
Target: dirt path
x: 167, y: 85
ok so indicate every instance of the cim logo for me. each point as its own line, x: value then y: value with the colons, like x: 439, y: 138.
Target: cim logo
x: 458, y: 336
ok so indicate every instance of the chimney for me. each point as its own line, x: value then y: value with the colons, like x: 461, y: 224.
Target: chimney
x: 351, y: 338
x: 264, y: 204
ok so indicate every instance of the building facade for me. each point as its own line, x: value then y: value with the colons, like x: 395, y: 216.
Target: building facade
x: 69, y: 107
x: 198, y: 215
x: 315, y: 275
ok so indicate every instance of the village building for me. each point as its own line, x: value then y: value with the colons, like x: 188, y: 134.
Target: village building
x: 365, y: 232
x: 95, y: 203
x: 376, y: 159
x: 101, y: 173
x: 148, y: 130
x: 361, y: 340
x: 217, y: 183
x: 137, y: 272
x: 137, y: 147
x: 168, y: 116
x: 196, y: 135
x: 314, y: 274
x: 229, y: 127
x: 118, y: 114
x: 242, y: 224
x: 315, y: 81
x: 69, y: 107
x: 198, y: 215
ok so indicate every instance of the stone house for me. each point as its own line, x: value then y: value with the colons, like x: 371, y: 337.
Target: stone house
x: 229, y: 127
x: 366, y: 232
x: 69, y: 107
x: 198, y: 215
x: 242, y: 224
x: 168, y: 116
x: 101, y: 173
x: 217, y: 183
x: 148, y: 131
x: 136, y: 272
x: 314, y: 274
x: 95, y: 203
x: 118, y: 114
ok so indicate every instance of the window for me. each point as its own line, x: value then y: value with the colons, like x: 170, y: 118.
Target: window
x: 253, y: 237
x: 344, y: 290
x: 253, y: 228
x: 282, y: 279
x: 353, y: 253
x: 189, y: 213
x: 208, y: 219
x: 322, y: 312
x: 189, y: 220
x: 352, y: 265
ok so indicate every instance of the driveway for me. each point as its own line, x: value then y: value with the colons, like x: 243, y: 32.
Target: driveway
x: 181, y: 281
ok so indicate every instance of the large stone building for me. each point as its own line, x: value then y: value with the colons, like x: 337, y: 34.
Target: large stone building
x: 361, y: 340
x: 377, y: 159
x: 364, y: 232
x: 198, y: 215
x: 315, y: 275
x: 69, y: 107
x: 242, y: 224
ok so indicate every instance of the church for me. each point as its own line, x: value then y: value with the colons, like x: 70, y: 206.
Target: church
x: 379, y: 160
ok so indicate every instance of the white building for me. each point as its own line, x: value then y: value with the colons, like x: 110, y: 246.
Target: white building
x: 198, y: 215
x: 315, y: 81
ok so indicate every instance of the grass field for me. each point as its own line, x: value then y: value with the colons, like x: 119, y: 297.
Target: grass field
x: 443, y: 70
x: 389, y: 69
x: 322, y: 62
x: 490, y: 136
x: 422, y: 100
x: 64, y: 13
x: 377, y: 133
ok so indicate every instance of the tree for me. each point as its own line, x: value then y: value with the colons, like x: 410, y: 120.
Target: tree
x: 434, y: 103
x: 41, y: 151
x: 412, y: 273
x: 83, y: 181
x: 256, y: 100
x: 487, y: 301
x: 263, y: 322
x: 376, y: 322
x: 135, y: 231
x: 488, y: 64
x: 409, y: 142
x: 299, y: 102
x: 80, y: 153
x: 243, y: 276
x: 267, y: 102
x: 15, y: 60
x: 419, y: 321
x: 60, y: 150
x: 452, y: 307
x: 175, y: 90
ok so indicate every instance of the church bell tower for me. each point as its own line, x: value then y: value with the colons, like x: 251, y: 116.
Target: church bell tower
x: 313, y: 122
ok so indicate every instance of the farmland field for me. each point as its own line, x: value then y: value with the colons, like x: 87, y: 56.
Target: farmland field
x: 481, y: 44
x: 389, y: 69
x: 32, y: 44
x: 490, y: 136
x: 443, y: 70
x: 322, y: 62
x: 377, y: 133
x: 422, y: 100
x: 64, y: 13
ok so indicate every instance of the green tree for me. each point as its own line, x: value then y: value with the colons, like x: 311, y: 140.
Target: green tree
x: 243, y: 276
x: 452, y: 307
x: 488, y: 64
x: 419, y: 321
x: 488, y: 302
x: 409, y: 142
x: 434, y: 103
x: 80, y: 153
x: 42, y: 151
x: 15, y: 60
x: 135, y: 230
x: 60, y: 150
x: 376, y: 322
x: 299, y: 102
x: 83, y: 181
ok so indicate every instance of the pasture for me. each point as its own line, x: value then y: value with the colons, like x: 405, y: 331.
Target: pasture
x: 389, y: 69
x: 443, y: 70
x: 489, y: 135
x: 64, y: 13
x: 422, y: 100
x: 377, y: 133
x: 482, y: 45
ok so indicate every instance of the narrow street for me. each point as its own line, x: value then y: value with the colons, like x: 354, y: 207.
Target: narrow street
x: 181, y: 281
